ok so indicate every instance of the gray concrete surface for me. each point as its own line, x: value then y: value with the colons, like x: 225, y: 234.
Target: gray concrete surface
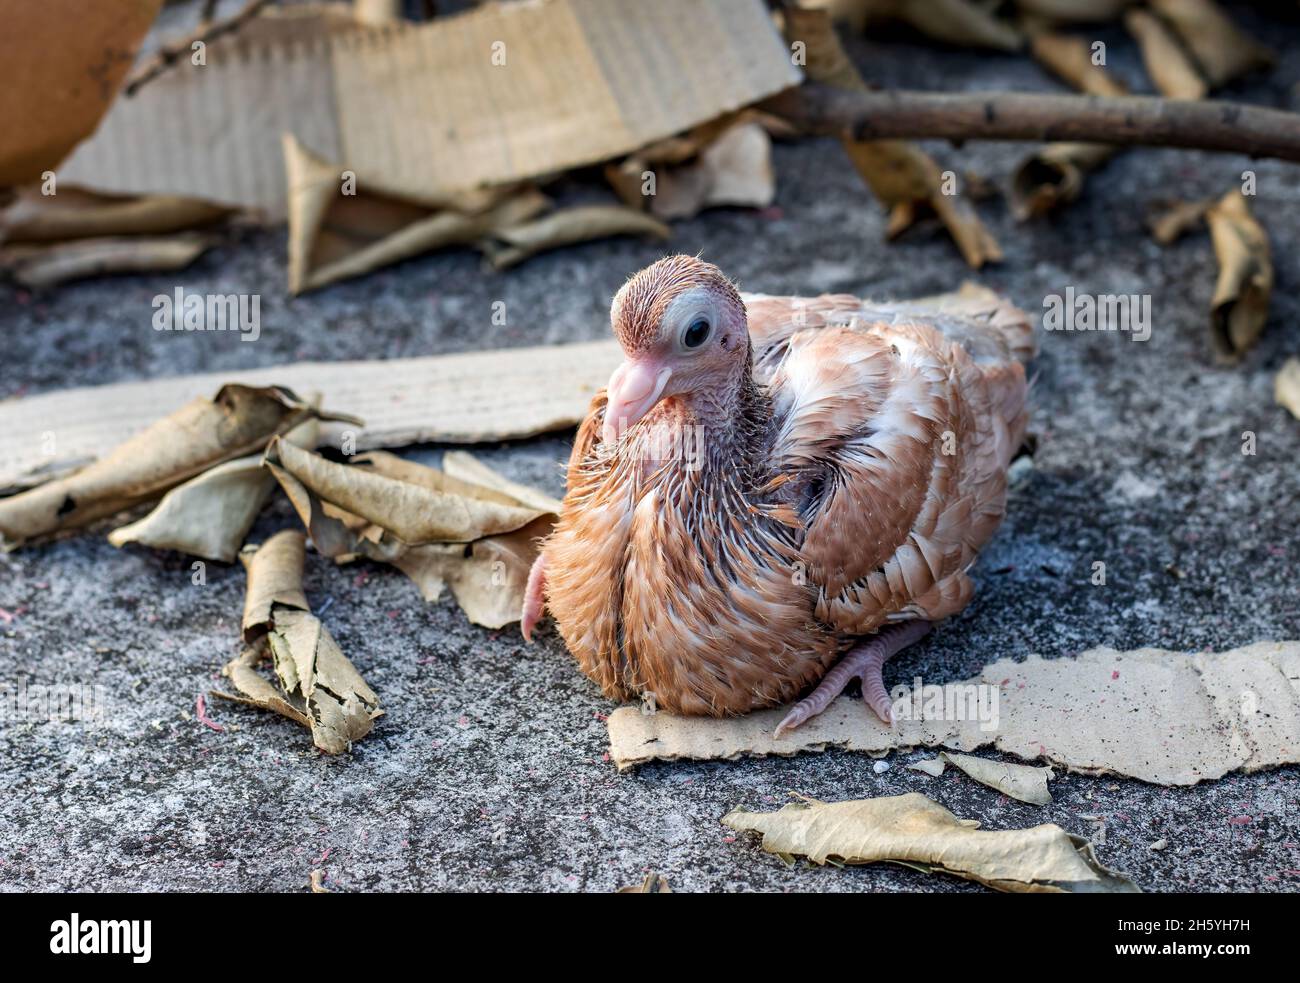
x: 488, y: 771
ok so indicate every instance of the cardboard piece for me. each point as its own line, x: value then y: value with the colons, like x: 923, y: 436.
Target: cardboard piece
x: 502, y: 93
x: 1163, y: 717
x: 461, y: 398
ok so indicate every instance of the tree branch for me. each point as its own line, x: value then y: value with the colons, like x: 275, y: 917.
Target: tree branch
x: 1142, y: 120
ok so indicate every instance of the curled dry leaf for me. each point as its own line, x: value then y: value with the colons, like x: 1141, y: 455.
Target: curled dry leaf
x: 915, y: 830
x: 956, y: 22
x: 1166, y: 61
x: 1286, y: 387
x: 319, y: 687
x: 904, y: 178
x: 1023, y: 782
x: 929, y: 766
x: 465, y: 527
x: 1242, y: 292
x: 334, y: 236
x: 208, y: 431
x: 210, y: 515
x: 1222, y: 51
x: 77, y: 214
x: 48, y: 265
x: 1176, y: 220
x: 1074, y: 11
x: 1054, y: 174
x: 654, y: 883
x: 504, y: 247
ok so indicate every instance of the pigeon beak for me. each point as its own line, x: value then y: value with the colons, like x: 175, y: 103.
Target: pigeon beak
x: 633, y: 390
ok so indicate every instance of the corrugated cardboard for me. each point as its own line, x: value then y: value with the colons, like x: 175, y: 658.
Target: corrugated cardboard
x: 427, y: 110
x: 468, y: 397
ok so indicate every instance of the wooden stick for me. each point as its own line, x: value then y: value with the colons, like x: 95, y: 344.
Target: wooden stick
x: 1142, y: 120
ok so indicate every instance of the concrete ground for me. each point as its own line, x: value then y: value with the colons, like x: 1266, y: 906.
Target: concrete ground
x: 488, y: 771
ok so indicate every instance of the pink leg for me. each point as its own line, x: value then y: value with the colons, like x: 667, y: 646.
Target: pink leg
x: 534, y: 598
x: 864, y: 661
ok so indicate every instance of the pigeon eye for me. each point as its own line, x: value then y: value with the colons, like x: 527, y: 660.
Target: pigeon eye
x: 697, y: 333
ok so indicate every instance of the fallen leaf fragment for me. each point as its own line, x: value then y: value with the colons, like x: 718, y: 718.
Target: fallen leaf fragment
x: 77, y: 214
x: 317, y: 882
x: 334, y: 235
x: 654, y: 883
x: 1166, y: 61
x: 1176, y: 220
x: 1239, y: 307
x: 904, y: 178
x: 1222, y: 51
x: 210, y: 515
x: 320, y: 687
x: 1054, y: 175
x: 235, y: 422
x: 416, y: 513
x: 914, y: 829
x: 957, y: 22
x: 1168, y: 718
x: 464, y: 527
x: 505, y: 247
x: 933, y: 767
x: 48, y: 265
x: 1023, y: 782
x: 1286, y: 386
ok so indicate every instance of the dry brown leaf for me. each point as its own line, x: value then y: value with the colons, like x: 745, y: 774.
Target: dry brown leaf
x: 320, y: 687
x: 237, y: 421
x: 1220, y: 48
x: 414, y: 513
x: 654, y: 883
x: 1054, y: 174
x: 956, y: 22
x: 333, y: 236
x: 1074, y: 11
x: 1023, y: 782
x: 48, y: 265
x: 1071, y: 59
x: 1286, y: 386
x: 1239, y: 307
x: 77, y: 214
x: 902, y: 176
x: 210, y: 515
x: 913, y: 829
x: 1166, y: 61
x: 1175, y: 221
x: 504, y: 247
x: 1163, y: 717
x: 466, y: 527
x: 934, y: 767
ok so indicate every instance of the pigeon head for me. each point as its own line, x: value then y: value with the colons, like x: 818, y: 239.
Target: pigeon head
x: 681, y: 324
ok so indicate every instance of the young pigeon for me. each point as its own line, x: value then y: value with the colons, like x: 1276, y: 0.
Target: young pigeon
x: 778, y: 493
